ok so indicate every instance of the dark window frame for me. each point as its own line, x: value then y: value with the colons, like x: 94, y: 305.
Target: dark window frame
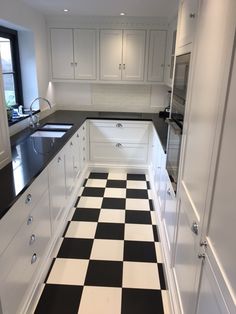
x: 12, y: 35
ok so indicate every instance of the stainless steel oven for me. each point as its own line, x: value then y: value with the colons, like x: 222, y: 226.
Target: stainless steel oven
x: 176, y: 118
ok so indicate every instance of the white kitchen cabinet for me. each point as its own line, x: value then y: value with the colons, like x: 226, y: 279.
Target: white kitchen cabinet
x: 5, y: 149
x: 122, y: 55
x: 73, y: 54
x: 188, y: 12
x: 57, y: 187
x: 170, y: 52
x: 72, y: 164
x: 119, y: 142
x: 23, y: 256
x: 156, y: 60
x: 83, y: 147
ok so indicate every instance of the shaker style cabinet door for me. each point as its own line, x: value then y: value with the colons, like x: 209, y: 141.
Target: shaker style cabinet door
x: 110, y: 54
x: 156, y: 62
x: 85, y: 54
x: 133, y: 55
x: 62, y: 54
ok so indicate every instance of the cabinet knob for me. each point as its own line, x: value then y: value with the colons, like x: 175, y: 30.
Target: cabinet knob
x: 162, y: 65
x: 195, y: 228
x: 30, y: 220
x: 77, y: 135
x: 28, y: 199
x: 201, y: 255
x: 83, y: 138
x: 119, y: 125
x: 34, y: 258
x: 84, y: 149
x: 119, y: 145
x: 123, y: 66
x: 83, y: 128
x: 84, y: 159
x: 72, y: 64
x: 168, y: 192
x: 58, y: 159
x: 32, y: 239
x: 71, y: 143
x: 75, y: 64
x: 120, y: 66
x: 192, y: 15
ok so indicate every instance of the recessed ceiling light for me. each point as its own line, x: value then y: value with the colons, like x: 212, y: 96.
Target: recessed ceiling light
x: 122, y: 13
x: 66, y: 10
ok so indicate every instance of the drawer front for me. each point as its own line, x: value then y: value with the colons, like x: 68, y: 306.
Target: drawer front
x: 119, y: 131
x: 23, y: 256
x: 17, y: 214
x: 122, y: 153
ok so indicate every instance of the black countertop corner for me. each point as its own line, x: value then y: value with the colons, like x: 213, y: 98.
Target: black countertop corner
x: 31, y: 155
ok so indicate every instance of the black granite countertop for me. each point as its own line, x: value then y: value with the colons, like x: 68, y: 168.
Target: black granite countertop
x: 31, y: 155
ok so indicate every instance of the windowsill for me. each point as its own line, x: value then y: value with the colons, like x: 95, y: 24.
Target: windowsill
x: 20, y: 118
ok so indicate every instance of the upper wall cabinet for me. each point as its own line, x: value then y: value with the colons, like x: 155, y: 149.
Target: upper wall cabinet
x: 156, y: 60
x: 73, y: 54
x: 122, y: 55
x: 187, y: 22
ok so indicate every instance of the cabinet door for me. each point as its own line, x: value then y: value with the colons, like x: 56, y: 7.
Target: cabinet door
x: 62, y: 53
x: 77, y: 154
x: 69, y: 166
x: 133, y: 55
x: 57, y: 187
x: 110, y: 54
x: 156, y: 60
x: 187, y: 21
x: 5, y: 150
x: 85, y: 54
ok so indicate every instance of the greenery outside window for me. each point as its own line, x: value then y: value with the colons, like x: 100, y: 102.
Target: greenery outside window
x: 10, y: 63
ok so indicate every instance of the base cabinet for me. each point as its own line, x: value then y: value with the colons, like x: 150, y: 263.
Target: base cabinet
x: 22, y: 257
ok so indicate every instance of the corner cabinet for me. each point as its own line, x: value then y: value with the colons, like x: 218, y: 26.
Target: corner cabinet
x: 156, y: 60
x: 122, y: 55
x: 73, y: 53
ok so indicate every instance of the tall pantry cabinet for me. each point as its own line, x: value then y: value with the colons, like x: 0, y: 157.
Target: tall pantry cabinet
x: 204, y: 249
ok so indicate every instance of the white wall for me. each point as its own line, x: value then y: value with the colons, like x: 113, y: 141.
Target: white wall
x: 110, y: 97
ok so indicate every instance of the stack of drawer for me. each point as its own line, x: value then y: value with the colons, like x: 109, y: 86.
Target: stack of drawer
x: 122, y: 142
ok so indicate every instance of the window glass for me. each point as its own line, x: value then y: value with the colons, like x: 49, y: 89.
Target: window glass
x: 6, y: 58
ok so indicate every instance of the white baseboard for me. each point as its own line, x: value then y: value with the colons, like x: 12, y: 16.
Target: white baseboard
x: 139, y: 169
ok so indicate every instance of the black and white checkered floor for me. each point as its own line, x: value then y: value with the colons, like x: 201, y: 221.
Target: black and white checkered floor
x: 109, y: 260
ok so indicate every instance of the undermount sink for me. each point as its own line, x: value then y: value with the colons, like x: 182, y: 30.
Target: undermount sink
x: 44, y: 133
x: 58, y: 126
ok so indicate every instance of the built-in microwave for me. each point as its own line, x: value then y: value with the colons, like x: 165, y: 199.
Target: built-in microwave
x: 176, y: 118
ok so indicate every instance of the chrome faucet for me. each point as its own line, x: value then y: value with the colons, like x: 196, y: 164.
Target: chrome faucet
x: 32, y: 122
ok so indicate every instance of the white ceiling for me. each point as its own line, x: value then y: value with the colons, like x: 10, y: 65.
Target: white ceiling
x: 144, y: 8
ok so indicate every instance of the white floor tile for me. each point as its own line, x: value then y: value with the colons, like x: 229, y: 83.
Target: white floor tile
x: 57, y: 247
x: 110, y: 250
x: 166, y: 301
x: 96, y: 183
x: 100, y: 300
x: 117, y: 176
x: 136, y: 184
x: 90, y: 202
x: 140, y: 275
x: 115, y: 192
x: 67, y: 271
x: 150, y: 196
x: 81, y: 229
x: 136, y: 232
x: 154, y: 217
x: 137, y: 204
x: 110, y: 215
x: 159, y: 252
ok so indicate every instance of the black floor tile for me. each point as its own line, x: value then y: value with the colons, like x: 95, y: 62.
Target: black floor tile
x: 116, y: 184
x: 49, y: 270
x: 136, y: 193
x: 97, y: 192
x: 113, y: 231
x: 148, y: 185
x: 162, y: 276
x: 151, y: 205
x: 98, y: 175
x: 59, y: 299
x: 138, y: 217
x: 136, y: 177
x: 141, y: 301
x: 85, y: 182
x: 66, y: 228
x: 155, y: 234
x: 77, y: 201
x: 104, y: 273
x: 86, y: 214
x: 113, y: 203
x: 75, y: 248
x: 138, y: 251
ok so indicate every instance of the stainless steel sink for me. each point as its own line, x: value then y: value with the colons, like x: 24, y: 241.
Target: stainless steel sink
x: 44, y: 133
x: 58, y: 126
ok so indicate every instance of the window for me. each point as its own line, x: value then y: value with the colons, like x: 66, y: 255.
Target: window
x: 9, y: 54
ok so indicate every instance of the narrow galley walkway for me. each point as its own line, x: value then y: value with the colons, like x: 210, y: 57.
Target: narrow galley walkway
x: 109, y: 260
